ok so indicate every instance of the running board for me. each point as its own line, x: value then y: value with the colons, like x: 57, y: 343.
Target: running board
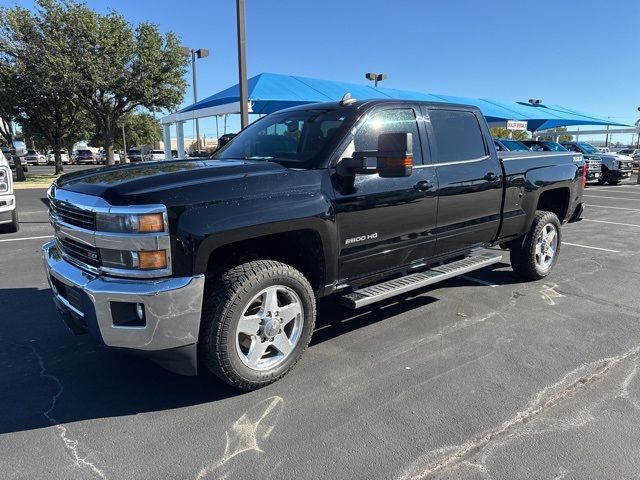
x: 397, y: 286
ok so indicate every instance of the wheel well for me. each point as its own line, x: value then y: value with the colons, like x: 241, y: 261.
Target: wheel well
x: 302, y: 249
x: 556, y: 201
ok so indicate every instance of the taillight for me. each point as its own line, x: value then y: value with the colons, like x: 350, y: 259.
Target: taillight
x: 585, y: 172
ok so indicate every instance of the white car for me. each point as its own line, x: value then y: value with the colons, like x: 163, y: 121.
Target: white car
x: 102, y: 156
x: 156, y: 155
x: 604, y: 150
x: 51, y: 158
x: 8, y: 213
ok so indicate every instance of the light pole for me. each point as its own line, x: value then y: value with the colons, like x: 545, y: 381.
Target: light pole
x: 199, y: 53
x: 638, y: 146
x: 375, y: 77
x: 242, y: 66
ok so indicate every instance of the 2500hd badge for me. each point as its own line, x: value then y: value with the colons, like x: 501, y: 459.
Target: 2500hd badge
x: 361, y: 238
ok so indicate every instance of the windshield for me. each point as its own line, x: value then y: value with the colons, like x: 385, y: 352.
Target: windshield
x: 295, y: 139
x: 555, y: 147
x: 515, y: 146
x: 588, y: 148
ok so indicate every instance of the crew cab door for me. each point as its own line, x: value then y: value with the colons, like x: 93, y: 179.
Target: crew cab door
x: 384, y: 223
x: 469, y: 178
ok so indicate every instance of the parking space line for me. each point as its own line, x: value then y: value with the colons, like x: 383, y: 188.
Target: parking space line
x: 611, y: 223
x: 615, y: 208
x: 616, y: 190
x: 589, y: 247
x: 612, y: 198
x: 26, y: 238
x: 477, y: 280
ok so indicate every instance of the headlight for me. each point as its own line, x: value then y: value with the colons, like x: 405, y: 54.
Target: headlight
x: 616, y: 165
x: 146, y: 260
x: 130, y: 223
x: 4, y: 180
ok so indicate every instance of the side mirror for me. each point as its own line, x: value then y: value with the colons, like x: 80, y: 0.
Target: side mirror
x: 394, y: 157
x: 20, y: 147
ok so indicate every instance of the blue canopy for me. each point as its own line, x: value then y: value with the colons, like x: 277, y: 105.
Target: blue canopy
x: 270, y: 92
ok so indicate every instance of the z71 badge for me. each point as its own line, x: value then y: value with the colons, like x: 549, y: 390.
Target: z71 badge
x: 361, y: 238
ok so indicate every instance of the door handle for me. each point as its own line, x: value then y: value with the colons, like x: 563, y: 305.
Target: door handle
x: 490, y: 177
x: 423, y: 185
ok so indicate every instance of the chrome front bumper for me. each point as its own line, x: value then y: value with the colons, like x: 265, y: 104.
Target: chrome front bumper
x: 172, y: 308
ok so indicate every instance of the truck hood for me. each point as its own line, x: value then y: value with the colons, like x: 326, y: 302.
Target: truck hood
x: 116, y: 183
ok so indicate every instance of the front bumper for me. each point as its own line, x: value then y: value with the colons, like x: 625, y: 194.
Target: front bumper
x: 7, y: 206
x: 172, y: 307
x: 593, y: 176
x: 620, y: 174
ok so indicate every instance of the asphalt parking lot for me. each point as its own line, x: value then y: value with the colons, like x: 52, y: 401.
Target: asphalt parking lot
x: 479, y: 377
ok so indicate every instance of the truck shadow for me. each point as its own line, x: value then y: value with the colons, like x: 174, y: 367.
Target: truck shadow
x: 48, y: 376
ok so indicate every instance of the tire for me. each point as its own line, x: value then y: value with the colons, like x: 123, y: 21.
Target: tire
x: 525, y: 259
x: 614, y: 182
x: 604, y: 176
x: 242, y: 293
x: 12, y: 227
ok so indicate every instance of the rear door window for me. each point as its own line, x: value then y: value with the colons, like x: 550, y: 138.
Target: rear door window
x: 458, y: 136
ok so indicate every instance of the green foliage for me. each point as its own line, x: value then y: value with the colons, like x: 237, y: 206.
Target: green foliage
x: 122, y: 68
x: 499, y: 132
x: 549, y: 134
x: 76, y: 74
x: 35, y: 54
x: 141, y: 129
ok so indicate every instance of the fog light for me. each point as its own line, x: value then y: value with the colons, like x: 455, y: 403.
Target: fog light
x: 140, y: 311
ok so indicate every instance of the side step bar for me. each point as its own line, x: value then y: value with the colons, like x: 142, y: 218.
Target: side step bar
x: 397, y: 286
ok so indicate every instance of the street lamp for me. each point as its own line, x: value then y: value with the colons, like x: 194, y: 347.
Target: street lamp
x: 199, y: 53
x: 242, y: 65
x: 375, y: 77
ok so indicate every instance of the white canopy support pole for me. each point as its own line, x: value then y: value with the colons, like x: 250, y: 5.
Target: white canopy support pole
x: 166, y: 138
x: 180, y: 138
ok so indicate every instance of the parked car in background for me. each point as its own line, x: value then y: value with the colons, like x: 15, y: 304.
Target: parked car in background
x: 84, y: 157
x: 102, y: 156
x: 614, y: 168
x: 51, y: 159
x: 634, y: 153
x: 33, y: 157
x: 10, y: 156
x: 136, y: 155
x: 592, y: 162
x: 8, y: 213
x: 604, y: 150
x: 509, y: 145
x: 156, y: 155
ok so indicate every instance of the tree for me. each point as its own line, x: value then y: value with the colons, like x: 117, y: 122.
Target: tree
x: 549, y: 135
x: 499, y: 132
x: 121, y: 68
x: 38, y: 54
x: 140, y: 129
x: 8, y: 112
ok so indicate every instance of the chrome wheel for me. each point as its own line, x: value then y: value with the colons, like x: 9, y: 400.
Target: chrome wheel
x: 546, y: 246
x: 269, y: 328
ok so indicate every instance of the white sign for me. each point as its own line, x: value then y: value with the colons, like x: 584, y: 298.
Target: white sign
x: 516, y: 125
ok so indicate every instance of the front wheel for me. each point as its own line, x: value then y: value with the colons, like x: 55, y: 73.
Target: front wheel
x: 12, y: 227
x: 534, y: 255
x: 257, y: 321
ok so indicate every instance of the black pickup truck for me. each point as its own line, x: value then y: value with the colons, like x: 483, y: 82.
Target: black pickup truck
x: 218, y: 262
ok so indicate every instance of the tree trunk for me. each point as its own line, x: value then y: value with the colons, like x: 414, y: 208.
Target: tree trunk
x: 20, y: 176
x: 58, y: 158
x: 108, y: 141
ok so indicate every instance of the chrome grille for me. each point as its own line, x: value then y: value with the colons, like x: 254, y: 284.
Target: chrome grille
x: 594, y: 165
x: 73, y: 215
x: 81, y: 252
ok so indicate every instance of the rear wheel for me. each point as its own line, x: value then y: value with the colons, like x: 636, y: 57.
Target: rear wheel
x: 257, y: 321
x: 12, y: 227
x: 536, y: 253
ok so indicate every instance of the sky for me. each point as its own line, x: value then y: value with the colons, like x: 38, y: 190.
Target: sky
x: 584, y: 54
